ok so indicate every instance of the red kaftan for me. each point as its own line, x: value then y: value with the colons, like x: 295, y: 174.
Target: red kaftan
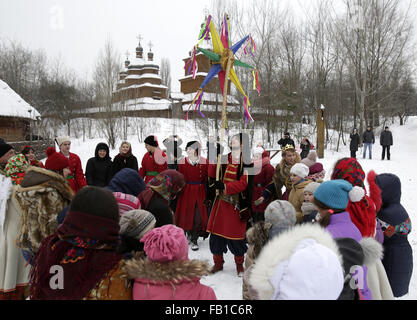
x: 152, y: 164
x: 224, y: 218
x: 193, y: 194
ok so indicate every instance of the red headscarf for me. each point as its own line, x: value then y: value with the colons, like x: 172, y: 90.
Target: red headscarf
x: 85, y: 247
x: 362, y: 213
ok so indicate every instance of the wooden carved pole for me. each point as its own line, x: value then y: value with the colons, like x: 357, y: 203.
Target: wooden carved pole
x: 321, y: 120
x: 228, y: 59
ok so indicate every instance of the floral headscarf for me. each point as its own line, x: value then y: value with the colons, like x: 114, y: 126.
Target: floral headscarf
x: 168, y: 184
x: 15, y: 168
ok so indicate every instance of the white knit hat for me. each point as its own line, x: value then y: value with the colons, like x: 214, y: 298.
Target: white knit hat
x: 60, y: 140
x: 300, y: 170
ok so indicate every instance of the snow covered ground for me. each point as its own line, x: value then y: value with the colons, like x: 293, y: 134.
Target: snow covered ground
x: 403, y: 163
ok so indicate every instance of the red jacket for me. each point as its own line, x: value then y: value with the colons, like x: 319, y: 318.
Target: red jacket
x: 152, y: 164
x: 224, y: 217
x: 193, y: 194
x: 261, y: 180
x: 78, y: 180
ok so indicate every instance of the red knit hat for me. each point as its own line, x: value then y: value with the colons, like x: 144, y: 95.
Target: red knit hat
x: 56, y: 161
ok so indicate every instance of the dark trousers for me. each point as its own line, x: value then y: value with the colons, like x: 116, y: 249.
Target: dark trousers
x: 197, y: 226
x: 353, y: 154
x: 219, y: 245
x: 388, y: 153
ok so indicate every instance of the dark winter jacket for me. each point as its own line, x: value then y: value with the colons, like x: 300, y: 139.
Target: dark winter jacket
x: 368, y: 137
x: 98, y: 170
x: 305, y: 149
x: 120, y: 162
x: 354, y: 142
x: 127, y: 181
x: 283, y: 142
x: 386, y: 138
x: 398, y: 255
x: 160, y: 209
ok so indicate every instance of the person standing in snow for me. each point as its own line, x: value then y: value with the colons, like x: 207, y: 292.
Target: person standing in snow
x: 305, y: 147
x: 154, y: 161
x: 191, y: 212
x: 332, y: 198
x: 386, y: 143
x: 281, y: 176
x: 368, y: 139
x: 125, y: 159
x: 232, y: 208
x: 98, y: 169
x: 286, y: 140
x: 354, y: 143
x: 396, y: 223
x: 76, y: 179
x: 264, y: 172
x: 298, y: 172
x: 14, y: 273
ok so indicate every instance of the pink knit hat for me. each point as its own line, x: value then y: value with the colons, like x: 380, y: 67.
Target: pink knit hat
x: 165, y: 244
x: 126, y: 202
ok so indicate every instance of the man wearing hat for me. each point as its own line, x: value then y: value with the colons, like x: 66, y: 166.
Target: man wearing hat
x: 285, y: 140
x: 76, y: 179
x: 154, y: 161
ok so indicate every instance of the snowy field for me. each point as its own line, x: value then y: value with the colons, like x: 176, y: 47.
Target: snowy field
x: 226, y: 284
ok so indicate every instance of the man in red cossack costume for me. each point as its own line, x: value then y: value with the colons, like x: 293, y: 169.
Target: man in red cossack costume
x: 191, y: 212
x: 154, y: 161
x: 232, y: 207
x: 76, y: 179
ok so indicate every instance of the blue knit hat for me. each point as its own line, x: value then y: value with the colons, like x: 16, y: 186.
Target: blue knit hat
x: 336, y: 194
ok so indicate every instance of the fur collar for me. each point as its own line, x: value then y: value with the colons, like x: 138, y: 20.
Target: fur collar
x: 280, y: 249
x: 139, y: 267
x: 38, y: 178
x: 372, y: 251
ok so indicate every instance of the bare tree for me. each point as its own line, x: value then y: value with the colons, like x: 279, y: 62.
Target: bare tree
x: 166, y: 74
x: 106, y: 74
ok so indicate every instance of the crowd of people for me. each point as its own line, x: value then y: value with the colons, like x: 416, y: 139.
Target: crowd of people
x: 122, y: 231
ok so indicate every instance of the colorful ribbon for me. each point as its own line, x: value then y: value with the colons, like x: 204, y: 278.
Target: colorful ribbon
x: 256, y: 85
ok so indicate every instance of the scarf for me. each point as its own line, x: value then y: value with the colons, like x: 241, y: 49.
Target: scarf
x: 84, y: 246
x: 15, y: 168
x: 168, y: 184
x: 362, y: 213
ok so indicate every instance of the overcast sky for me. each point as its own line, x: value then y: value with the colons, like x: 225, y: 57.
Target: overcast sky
x: 76, y: 30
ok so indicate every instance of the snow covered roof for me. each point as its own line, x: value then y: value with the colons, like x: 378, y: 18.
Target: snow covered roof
x: 198, y: 74
x: 177, y: 95
x: 12, y: 105
x: 147, y: 84
x: 133, y: 105
x: 208, y: 96
x: 142, y: 76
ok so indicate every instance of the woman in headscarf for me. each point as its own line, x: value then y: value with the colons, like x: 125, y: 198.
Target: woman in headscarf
x: 162, y: 189
x: 98, y: 170
x: 84, y: 247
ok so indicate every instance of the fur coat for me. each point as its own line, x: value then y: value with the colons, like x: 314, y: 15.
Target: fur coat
x: 40, y: 197
x: 176, y: 280
x: 282, y: 176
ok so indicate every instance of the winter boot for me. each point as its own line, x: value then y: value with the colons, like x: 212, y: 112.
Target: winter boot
x: 239, y: 265
x: 218, y: 263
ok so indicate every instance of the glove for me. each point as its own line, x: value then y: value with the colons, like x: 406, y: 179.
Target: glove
x: 219, y: 185
x: 244, y: 215
x: 259, y: 201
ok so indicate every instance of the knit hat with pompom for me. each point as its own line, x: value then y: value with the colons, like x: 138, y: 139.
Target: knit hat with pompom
x: 56, y: 161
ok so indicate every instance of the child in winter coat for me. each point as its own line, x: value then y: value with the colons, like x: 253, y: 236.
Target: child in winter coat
x: 125, y: 159
x: 303, y: 263
x: 167, y: 273
x: 134, y: 224
x: 298, y: 173
x: 279, y: 217
x: 332, y: 198
x: 398, y: 255
x: 316, y: 171
x: 308, y: 208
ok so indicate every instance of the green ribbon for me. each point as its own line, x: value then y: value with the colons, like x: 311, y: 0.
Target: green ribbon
x: 152, y: 173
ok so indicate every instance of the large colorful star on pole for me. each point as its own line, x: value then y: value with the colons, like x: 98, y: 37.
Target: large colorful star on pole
x: 223, y: 62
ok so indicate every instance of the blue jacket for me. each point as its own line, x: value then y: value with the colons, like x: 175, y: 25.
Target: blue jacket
x: 398, y: 255
x: 127, y: 181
